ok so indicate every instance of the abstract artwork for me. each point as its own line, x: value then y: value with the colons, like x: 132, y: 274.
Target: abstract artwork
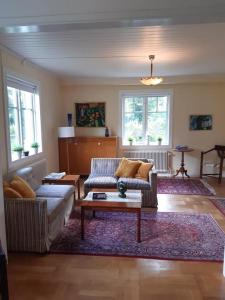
x: 200, y: 122
x: 90, y: 114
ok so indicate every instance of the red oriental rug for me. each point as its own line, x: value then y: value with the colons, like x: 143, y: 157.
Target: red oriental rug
x: 184, y: 186
x: 164, y: 235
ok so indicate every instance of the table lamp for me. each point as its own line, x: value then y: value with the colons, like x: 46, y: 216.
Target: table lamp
x: 65, y: 132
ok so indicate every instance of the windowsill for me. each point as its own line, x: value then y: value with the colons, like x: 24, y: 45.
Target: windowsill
x: 146, y: 147
x: 14, y: 165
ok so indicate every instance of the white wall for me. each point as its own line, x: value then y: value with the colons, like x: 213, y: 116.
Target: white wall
x: 188, y: 99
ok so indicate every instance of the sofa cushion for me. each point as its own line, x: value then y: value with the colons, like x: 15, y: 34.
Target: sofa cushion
x: 143, y: 171
x: 101, y: 181
x: 55, y: 206
x: 134, y: 183
x: 104, y: 166
x: 11, y: 193
x: 27, y: 175
x: 53, y: 190
x: 127, y: 168
x: 22, y: 187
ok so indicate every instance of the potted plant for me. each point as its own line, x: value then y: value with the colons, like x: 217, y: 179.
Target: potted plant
x: 18, y: 149
x: 159, y: 141
x: 26, y: 153
x: 35, y: 146
x: 130, y: 140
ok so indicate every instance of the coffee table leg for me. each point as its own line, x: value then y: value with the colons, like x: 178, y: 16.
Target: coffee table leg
x: 139, y: 226
x: 82, y: 222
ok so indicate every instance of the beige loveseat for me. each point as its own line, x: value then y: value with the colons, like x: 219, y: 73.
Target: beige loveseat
x: 32, y: 224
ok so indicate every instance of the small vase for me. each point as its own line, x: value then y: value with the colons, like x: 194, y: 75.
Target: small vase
x: 26, y: 153
x: 106, y: 132
x: 69, y: 119
x: 131, y: 143
x: 36, y: 150
x: 159, y: 143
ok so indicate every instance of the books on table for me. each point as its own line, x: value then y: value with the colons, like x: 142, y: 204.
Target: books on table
x: 55, y: 175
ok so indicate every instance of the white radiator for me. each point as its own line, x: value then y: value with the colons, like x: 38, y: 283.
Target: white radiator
x: 161, y: 158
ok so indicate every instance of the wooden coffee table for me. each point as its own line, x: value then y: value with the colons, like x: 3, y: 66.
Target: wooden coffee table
x: 67, y: 179
x: 132, y: 203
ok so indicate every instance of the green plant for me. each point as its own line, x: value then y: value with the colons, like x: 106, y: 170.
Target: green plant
x: 34, y: 145
x: 130, y: 139
x: 18, y: 148
x: 160, y: 139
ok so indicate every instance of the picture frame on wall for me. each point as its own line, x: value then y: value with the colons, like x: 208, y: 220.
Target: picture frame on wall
x: 200, y: 122
x: 90, y: 114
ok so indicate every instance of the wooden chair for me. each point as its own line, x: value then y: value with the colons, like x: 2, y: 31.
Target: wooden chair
x: 221, y: 153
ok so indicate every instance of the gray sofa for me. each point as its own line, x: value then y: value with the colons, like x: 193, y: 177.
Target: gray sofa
x: 32, y: 224
x: 102, y: 176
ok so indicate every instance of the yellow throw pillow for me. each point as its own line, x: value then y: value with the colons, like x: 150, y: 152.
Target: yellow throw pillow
x: 11, y: 193
x: 22, y: 187
x: 120, y: 167
x: 127, y: 168
x: 143, y: 171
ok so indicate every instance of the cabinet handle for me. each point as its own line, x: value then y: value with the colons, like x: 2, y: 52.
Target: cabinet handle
x: 99, y: 144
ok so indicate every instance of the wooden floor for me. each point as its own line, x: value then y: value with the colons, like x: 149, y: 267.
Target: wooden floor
x: 87, y: 277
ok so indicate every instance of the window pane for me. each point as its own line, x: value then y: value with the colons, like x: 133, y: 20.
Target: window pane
x: 26, y: 99
x: 129, y: 105
x: 162, y: 104
x: 27, y: 128
x: 152, y: 104
x: 24, y: 117
x: 12, y: 97
x: 158, y: 127
x: 133, y: 127
x: 138, y: 104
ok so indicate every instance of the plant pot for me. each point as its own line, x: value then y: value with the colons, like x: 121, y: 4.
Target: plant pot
x: 36, y: 150
x: 130, y: 143
x: 26, y: 153
x: 159, y: 143
x: 19, y: 154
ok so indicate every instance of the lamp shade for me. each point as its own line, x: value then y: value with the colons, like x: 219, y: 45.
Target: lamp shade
x: 64, y: 132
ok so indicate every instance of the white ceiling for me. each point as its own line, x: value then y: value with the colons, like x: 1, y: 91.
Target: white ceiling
x: 82, y: 42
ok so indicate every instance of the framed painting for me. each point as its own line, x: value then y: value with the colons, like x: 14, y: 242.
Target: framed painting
x: 90, y: 114
x: 200, y: 122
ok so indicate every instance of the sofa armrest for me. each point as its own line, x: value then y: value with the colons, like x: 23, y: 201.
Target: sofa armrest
x: 26, y: 224
x: 153, y: 181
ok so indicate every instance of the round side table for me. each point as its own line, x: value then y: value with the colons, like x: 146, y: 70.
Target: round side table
x: 182, y: 170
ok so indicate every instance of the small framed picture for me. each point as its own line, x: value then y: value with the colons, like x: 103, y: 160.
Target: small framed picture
x: 200, y: 122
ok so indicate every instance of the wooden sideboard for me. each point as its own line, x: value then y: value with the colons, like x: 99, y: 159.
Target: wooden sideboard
x: 75, y: 153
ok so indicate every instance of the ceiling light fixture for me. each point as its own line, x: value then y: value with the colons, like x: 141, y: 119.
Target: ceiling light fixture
x: 151, y: 80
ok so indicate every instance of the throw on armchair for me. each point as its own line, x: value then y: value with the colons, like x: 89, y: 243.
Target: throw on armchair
x: 102, y: 176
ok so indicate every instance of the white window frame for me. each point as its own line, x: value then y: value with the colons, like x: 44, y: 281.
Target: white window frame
x: 146, y: 93
x: 12, y: 165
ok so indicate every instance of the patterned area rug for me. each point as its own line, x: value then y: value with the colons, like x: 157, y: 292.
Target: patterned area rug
x: 184, y: 187
x: 165, y: 235
x: 219, y: 202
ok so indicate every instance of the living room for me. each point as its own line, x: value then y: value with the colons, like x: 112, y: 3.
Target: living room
x: 106, y: 49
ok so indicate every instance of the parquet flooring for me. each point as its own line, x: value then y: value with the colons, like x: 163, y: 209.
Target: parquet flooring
x: 59, y: 277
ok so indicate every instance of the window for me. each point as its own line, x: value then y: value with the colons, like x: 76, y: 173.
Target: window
x: 146, y: 118
x: 23, y: 115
